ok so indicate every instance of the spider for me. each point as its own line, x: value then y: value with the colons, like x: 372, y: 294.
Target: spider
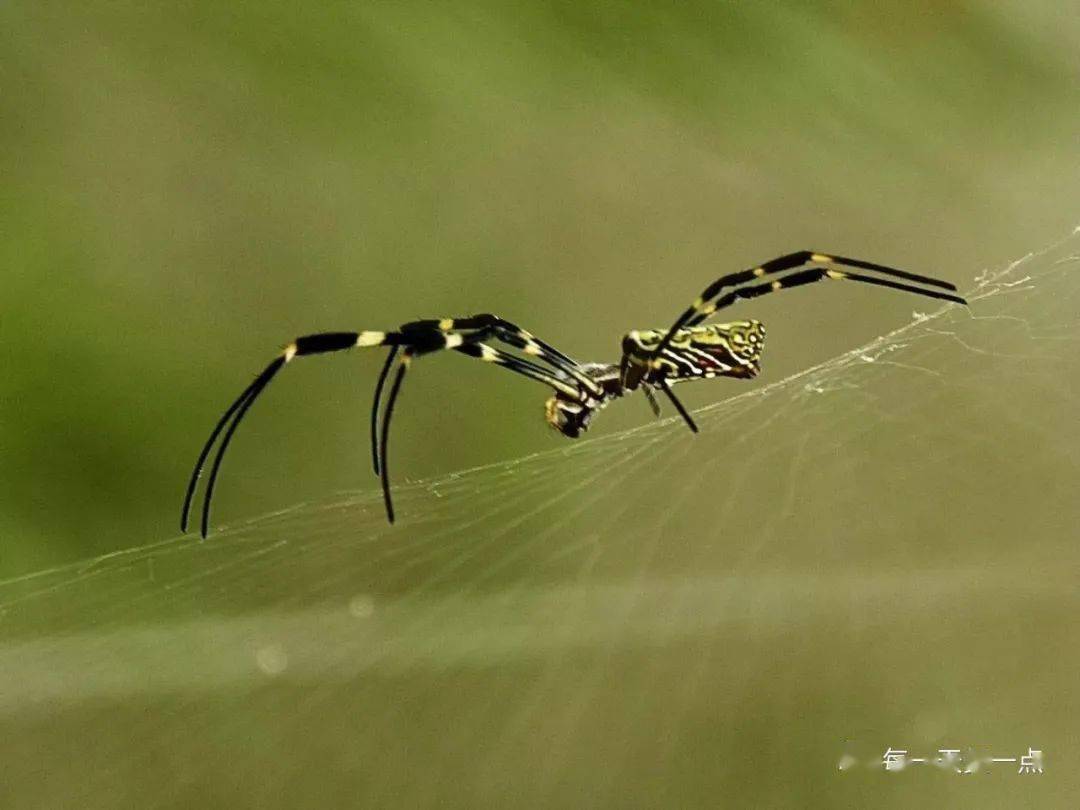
x: 652, y: 359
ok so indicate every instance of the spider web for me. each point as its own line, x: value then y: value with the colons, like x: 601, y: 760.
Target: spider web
x: 880, y: 548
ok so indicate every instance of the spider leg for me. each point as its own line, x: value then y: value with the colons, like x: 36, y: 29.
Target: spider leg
x: 530, y: 344
x: 809, y: 276
x: 475, y: 349
x: 472, y: 330
x: 426, y: 329
x: 490, y: 354
x: 403, y: 366
x: 510, y: 333
x: 704, y: 306
x: 495, y: 323
x: 375, y: 406
x: 685, y: 414
x: 417, y: 338
x: 244, y: 400
x: 260, y: 383
x: 311, y: 344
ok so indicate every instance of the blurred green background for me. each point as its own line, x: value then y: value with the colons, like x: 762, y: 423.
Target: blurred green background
x: 187, y: 186
x: 653, y: 620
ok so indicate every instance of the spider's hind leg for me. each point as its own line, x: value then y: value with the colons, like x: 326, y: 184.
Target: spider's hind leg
x: 422, y: 339
x: 321, y: 343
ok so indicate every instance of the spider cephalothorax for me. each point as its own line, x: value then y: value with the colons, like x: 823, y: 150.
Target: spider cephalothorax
x: 570, y: 414
x: 652, y: 359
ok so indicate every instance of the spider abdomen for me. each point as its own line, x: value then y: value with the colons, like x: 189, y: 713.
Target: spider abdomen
x: 697, y: 352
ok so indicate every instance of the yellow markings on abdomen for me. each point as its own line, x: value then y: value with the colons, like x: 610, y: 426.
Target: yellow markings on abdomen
x: 820, y: 258
x: 290, y: 352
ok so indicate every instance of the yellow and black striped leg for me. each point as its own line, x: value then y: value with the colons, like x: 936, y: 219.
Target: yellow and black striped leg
x: 517, y: 337
x: 501, y: 328
x: 310, y: 344
x: 463, y: 333
x: 416, y: 339
x: 476, y: 349
x: 702, y: 303
x: 490, y: 354
x: 813, y: 274
x: 705, y: 306
x: 483, y: 327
